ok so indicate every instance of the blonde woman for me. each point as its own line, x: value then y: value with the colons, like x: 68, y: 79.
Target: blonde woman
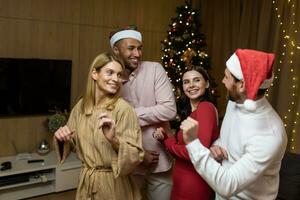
x: 104, y: 131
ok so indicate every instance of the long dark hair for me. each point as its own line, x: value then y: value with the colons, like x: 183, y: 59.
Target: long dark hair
x: 183, y: 104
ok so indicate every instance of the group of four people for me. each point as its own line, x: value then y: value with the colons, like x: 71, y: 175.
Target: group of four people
x: 126, y: 144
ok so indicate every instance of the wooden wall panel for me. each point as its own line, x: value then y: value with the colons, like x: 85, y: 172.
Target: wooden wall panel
x: 22, y: 134
x: 71, y: 29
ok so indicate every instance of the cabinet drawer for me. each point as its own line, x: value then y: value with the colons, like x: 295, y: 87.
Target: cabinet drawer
x: 67, y: 178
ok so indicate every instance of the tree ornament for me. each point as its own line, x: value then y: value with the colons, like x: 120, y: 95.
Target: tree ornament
x: 188, y: 55
x: 183, y: 44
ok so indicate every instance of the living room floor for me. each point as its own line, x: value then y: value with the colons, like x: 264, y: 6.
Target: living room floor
x: 67, y: 195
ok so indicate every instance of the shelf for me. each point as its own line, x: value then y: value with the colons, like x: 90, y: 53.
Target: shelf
x: 36, y: 177
x: 21, y: 166
x: 39, y: 178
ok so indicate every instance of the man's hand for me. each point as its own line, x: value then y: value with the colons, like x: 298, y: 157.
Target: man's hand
x: 150, y: 158
x: 218, y: 153
x: 189, y: 128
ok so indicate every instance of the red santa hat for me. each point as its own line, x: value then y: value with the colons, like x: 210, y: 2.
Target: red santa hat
x: 255, y: 69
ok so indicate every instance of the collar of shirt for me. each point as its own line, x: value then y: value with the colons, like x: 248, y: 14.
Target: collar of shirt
x: 134, y: 73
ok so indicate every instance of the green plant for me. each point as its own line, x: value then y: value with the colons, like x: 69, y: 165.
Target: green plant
x: 56, y: 121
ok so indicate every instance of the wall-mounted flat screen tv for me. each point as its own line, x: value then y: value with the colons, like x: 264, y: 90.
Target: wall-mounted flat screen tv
x: 34, y: 86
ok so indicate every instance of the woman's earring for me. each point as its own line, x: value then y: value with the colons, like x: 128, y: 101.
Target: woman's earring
x: 207, y: 85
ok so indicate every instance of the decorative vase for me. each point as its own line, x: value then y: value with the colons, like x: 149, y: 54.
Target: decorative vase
x: 43, y: 147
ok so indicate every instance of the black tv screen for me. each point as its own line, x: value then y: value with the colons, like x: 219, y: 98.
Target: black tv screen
x: 34, y: 86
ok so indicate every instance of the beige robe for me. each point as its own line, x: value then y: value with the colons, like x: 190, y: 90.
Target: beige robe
x: 105, y: 172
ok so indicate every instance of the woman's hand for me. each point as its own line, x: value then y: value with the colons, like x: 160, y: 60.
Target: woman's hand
x: 64, y: 133
x: 158, y: 134
x: 163, y: 133
x: 167, y: 131
x: 107, y: 125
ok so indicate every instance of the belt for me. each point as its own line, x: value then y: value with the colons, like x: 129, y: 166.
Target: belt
x: 91, y: 179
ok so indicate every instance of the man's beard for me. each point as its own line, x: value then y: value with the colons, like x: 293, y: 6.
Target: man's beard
x: 229, y: 97
x: 232, y: 97
x: 128, y: 68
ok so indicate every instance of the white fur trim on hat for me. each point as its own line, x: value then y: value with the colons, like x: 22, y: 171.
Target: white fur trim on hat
x: 125, y: 34
x: 234, y: 66
x: 249, y: 105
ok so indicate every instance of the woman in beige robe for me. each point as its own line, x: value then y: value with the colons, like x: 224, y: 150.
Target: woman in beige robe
x: 103, y: 129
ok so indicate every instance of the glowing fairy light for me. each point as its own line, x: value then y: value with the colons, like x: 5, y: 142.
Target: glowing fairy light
x: 288, y: 55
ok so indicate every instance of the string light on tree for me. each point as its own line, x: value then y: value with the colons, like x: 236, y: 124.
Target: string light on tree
x: 184, y: 45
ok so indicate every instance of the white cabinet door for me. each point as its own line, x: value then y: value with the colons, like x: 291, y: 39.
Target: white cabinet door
x: 67, y: 177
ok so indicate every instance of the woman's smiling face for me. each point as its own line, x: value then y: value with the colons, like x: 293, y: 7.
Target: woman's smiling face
x: 108, y: 79
x: 193, y: 84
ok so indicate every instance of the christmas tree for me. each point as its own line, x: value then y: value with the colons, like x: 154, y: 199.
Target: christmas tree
x: 184, y: 45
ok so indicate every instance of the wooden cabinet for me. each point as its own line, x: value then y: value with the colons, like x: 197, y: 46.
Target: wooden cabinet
x: 67, y: 176
x: 25, y: 179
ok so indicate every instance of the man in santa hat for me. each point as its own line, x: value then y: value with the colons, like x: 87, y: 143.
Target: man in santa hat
x: 252, y: 140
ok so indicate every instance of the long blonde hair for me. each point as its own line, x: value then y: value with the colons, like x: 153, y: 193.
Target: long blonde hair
x: 88, y: 100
